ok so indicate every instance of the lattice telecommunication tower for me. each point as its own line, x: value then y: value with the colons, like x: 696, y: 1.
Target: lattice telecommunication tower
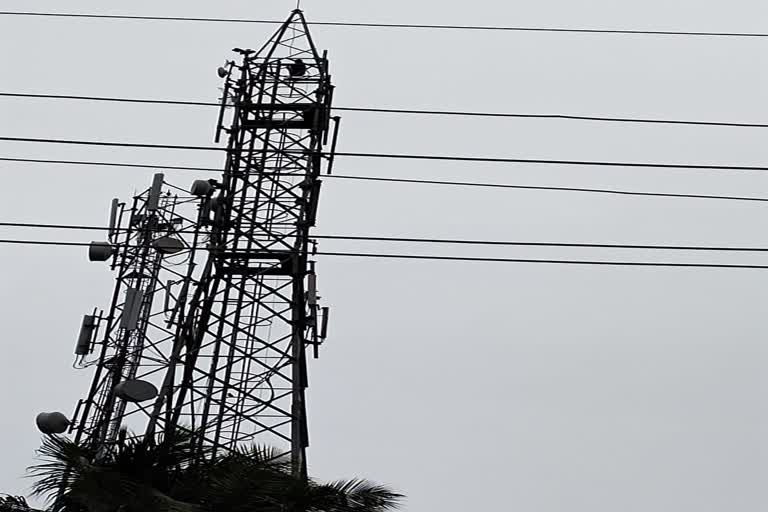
x: 216, y: 304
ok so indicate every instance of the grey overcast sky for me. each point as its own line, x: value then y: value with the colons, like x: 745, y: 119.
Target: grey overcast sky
x: 521, y: 387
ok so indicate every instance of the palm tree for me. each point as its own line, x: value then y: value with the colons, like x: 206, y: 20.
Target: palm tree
x: 10, y: 503
x: 141, y: 475
x: 127, y: 478
x: 260, y: 480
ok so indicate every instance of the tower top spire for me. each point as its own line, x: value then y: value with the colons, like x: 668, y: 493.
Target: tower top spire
x: 291, y: 41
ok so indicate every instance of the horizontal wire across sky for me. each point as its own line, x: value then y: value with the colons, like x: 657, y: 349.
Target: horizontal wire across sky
x: 458, y: 158
x: 381, y: 179
x: 455, y: 158
x: 81, y: 227
x: 393, y: 25
x: 406, y: 111
x: 462, y: 258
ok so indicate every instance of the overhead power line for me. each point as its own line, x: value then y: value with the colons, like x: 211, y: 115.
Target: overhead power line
x: 567, y: 117
x: 404, y: 180
x: 395, y: 25
x: 550, y: 188
x: 541, y: 244
x: 408, y: 111
x: 588, y: 163
x: 442, y: 241
x: 462, y: 258
x: 117, y: 100
x: 112, y: 144
x: 552, y: 162
x: 111, y: 164
x: 549, y: 261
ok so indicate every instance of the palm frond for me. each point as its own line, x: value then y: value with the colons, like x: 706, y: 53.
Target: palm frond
x: 264, y: 455
x: 251, y: 479
x: 61, y: 458
x: 170, y: 475
x: 357, y: 495
x: 13, y: 503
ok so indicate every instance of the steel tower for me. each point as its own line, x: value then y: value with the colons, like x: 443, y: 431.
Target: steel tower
x: 240, y: 306
x: 152, y: 246
x: 239, y: 366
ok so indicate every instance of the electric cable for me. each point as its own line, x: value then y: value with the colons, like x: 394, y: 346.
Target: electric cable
x: 141, y: 145
x: 405, y: 180
x: 547, y: 188
x: 111, y: 164
x: 590, y: 163
x: 549, y: 261
x: 453, y: 158
x: 462, y: 258
x: 393, y: 25
x: 539, y: 244
x: 434, y: 240
x: 407, y: 111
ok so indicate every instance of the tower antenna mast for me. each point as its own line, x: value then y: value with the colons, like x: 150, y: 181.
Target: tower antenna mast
x: 220, y: 347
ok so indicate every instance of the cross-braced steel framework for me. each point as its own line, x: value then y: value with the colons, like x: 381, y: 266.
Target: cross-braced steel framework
x: 238, y: 370
x: 152, y: 247
x: 215, y: 306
